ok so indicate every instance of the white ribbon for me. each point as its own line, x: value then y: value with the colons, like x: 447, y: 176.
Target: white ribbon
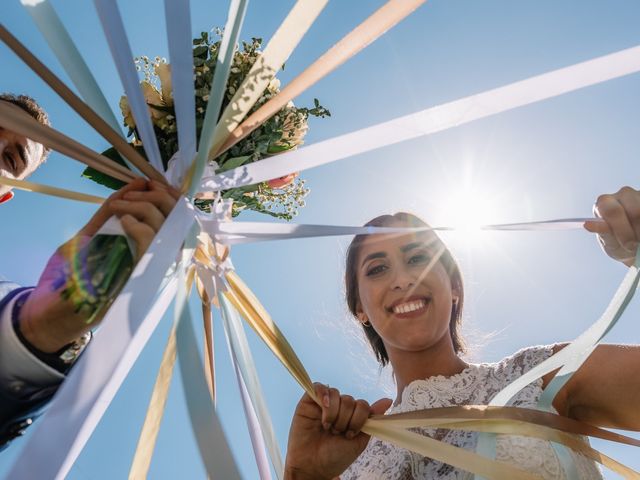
x: 434, y: 119
x: 233, y: 233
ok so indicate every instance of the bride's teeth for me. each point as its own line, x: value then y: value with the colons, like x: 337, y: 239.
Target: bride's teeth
x: 409, y: 306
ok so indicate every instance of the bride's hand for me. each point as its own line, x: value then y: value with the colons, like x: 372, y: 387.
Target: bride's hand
x: 619, y: 234
x: 325, y: 440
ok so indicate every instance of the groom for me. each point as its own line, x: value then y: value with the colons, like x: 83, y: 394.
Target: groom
x: 41, y: 335
x: 20, y: 156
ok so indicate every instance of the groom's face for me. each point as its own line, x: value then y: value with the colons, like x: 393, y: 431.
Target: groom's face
x: 19, y: 157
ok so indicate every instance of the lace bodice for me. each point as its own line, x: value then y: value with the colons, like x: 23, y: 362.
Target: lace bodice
x: 475, y: 385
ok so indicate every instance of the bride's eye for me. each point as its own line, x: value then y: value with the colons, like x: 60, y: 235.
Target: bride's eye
x: 376, y: 270
x: 419, y: 258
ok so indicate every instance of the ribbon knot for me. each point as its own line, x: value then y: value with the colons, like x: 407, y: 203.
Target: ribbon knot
x: 211, y: 261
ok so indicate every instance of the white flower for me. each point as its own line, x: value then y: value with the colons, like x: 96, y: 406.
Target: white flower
x: 163, y: 71
x: 274, y: 85
x: 152, y: 97
x: 293, y: 134
x: 126, y: 112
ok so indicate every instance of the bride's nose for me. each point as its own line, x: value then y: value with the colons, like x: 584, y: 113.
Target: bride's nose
x: 403, y: 280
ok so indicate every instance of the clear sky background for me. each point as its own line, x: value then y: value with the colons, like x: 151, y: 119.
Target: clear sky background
x: 547, y: 160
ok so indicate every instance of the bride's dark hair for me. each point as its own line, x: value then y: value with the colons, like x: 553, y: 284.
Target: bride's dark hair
x: 351, y: 284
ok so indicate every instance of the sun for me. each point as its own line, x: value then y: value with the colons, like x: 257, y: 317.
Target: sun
x: 467, y: 210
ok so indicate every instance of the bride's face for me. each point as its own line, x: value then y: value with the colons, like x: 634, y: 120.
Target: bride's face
x: 404, y: 291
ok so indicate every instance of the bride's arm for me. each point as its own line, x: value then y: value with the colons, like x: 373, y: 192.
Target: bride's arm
x: 606, y: 390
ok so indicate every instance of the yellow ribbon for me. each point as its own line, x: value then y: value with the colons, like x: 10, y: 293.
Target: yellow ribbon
x: 155, y: 412
x: 392, y: 428
x: 48, y: 190
x: 92, y: 118
x: 360, y: 37
x: 17, y: 120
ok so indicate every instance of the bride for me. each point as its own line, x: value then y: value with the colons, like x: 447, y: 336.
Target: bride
x: 407, y: 293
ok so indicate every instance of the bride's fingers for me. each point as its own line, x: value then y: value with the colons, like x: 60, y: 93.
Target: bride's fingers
x: 360, y: 415
x: 330, y: 407
x: 347, y: 407
x: 609, y: 208
x: 630, y: 201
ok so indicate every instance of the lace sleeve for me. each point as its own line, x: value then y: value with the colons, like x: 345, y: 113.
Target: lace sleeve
x: 522, y: 361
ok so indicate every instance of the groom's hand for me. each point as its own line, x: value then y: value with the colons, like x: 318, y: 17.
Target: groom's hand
x: 47, y: 321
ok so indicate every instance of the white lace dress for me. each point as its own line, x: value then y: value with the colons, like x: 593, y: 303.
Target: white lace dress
x: 475, y: 385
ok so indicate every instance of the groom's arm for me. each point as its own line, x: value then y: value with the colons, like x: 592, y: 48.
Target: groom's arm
x: 28, y: 379
x: 41, y: 333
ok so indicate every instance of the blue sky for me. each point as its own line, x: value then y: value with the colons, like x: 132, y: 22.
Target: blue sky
x: 546, y: 160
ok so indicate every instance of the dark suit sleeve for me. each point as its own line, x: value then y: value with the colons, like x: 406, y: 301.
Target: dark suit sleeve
x: 17, y: 412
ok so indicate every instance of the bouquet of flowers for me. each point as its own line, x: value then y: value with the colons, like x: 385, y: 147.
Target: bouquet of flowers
x: 103, y: 273
x: 280, y: 197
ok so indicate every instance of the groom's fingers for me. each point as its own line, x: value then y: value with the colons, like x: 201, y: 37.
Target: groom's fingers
x: 145, y: 212
x: 157, y: 186
x: 104, y: 212
x: 161, y: 199
x: 141, y: 233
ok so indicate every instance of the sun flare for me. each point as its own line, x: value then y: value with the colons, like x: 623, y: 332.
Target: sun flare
x: 468, y: 210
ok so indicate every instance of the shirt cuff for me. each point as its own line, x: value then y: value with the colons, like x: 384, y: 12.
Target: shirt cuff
x: 21, y: 373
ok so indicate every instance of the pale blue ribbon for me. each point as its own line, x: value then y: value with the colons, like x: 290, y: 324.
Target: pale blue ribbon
x: 212, y: 443
x: 257, y: 441
x: 224, y: 61
x: 247, y: 375
x: 65, y: 50
x: 569, y: 360
x: 177, y: 13
x: 56, y: 35
x: 241, y: 356
x: 123, y: 58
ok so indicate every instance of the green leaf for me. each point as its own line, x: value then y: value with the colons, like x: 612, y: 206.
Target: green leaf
x: 104, y: 179
x: 278, y: 148
x: 233, y: 163
x: 200, y: 50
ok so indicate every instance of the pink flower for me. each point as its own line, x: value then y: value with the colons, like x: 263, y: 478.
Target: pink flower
x: 282, y: 182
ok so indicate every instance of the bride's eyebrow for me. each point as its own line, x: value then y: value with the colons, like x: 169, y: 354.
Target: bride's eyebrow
x: 412, y: 246
x: 373, y: 256
x: 429, y: 245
